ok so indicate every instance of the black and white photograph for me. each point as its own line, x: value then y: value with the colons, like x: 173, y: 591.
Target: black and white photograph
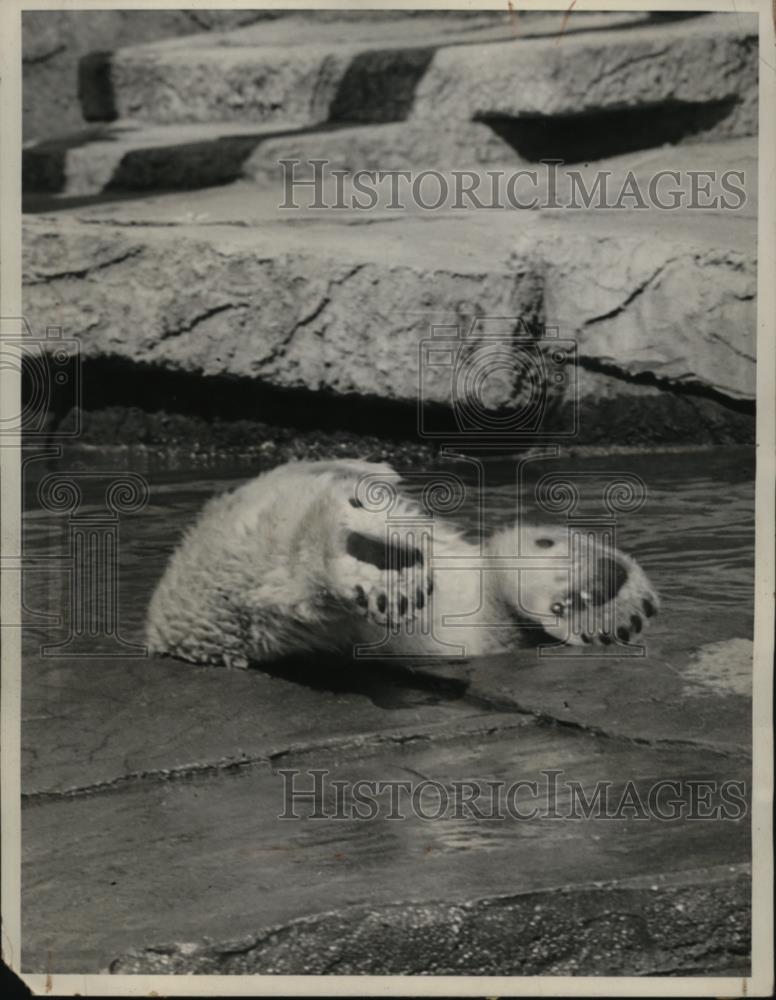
x: 388, y: 466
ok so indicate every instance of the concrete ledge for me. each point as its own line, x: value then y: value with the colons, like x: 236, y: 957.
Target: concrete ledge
x: 703, y: 60
x: 438, y: 72
x: 130, y: 156
x: 234, y: 288
x: 140, y: 156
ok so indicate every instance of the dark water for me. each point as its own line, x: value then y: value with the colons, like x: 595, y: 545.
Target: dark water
x: 693, y: 533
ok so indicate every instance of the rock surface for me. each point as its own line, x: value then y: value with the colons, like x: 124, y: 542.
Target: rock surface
x: 235, y: 286
x: 659, y: 297
x: 430, y: 67
x: 585, y: 74
x: 254, y: 871
x: 626, y: 928
x: 53, y: 41
x: 142, y: 156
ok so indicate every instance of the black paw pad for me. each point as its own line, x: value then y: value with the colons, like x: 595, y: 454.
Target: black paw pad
x: 420, y: 598
x: 623, y: 634
x: 361, y: 599
x: 635, y: 623
x: 609, y: 577
x: 402, y: 604
x: 382, y: 603
x: 649, y: 607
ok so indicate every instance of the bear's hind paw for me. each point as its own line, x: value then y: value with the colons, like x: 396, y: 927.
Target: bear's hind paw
x: 614, y: 613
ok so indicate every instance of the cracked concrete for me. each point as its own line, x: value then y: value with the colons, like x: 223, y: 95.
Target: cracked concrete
x: 253, y: 870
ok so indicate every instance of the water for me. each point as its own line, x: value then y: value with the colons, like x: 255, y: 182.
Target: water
x: 694, y: 533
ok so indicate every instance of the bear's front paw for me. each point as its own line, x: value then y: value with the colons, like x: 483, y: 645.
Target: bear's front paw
x: 384, y: 576
x: 396, y: 598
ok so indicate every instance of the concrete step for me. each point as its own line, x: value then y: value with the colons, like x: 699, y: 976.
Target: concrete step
x: 132, y: 156
x: 299, y: 72
x: 530, y: 108
x: 658, y: 302
x: 141, y: 156
x: 129, y: 156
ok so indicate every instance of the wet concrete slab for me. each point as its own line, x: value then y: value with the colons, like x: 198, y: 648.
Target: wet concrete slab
x: 109, y: 722
x: 175, y: 860
x: 676, y: 692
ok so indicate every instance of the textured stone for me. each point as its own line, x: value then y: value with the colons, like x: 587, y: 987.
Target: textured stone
x: 665, y: 697
x: 150, y: 718
x: 697, y: 61
x: 342, y: 303
x: 429, y: 74
x: 698, y: 924
x: 392, y: 146
x: 142, y: 156
x: 288, y: 72
x: 276, y: 304
x: 127, y: 156
x: 673, y: 309
x: 53, y: 41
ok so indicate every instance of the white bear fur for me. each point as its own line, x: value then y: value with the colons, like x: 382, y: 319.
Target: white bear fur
x: 265, y: 572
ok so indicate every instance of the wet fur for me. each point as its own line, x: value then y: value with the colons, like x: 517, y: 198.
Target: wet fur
x: 291, y: 562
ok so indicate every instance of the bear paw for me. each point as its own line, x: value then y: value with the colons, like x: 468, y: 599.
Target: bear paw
x: 609, y: 602
x: 399, y: 601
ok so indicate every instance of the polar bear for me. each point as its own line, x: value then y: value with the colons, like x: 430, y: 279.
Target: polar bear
x: 295, y: 561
